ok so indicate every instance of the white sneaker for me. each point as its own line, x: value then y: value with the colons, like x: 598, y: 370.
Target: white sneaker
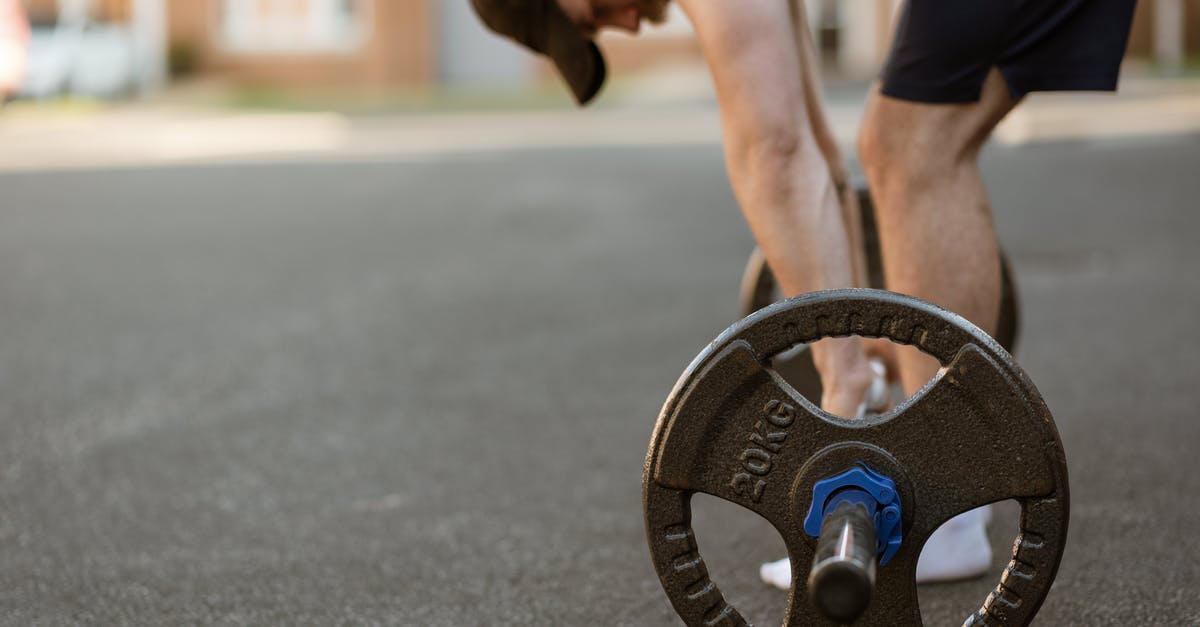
x: 959, y: 549
x: 777, y: 573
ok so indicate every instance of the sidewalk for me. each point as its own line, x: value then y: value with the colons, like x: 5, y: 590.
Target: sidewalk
x: 666, y: 110
x: 1141, y: 108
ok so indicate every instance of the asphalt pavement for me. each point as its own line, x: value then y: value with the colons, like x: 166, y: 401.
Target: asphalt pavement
x: 418, y: 390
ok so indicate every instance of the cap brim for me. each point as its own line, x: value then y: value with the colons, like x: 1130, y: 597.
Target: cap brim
x: 577, y: 58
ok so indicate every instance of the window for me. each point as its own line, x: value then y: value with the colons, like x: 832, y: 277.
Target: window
x: 294, y: 25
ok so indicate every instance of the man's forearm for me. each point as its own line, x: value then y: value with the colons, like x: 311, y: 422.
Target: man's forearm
x: 792, y: 207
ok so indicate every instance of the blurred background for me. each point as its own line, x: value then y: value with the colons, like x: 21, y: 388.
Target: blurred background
x: 357, y: 58
x: 124, y: 48
x: 340, y: 312
x: 142, y: 81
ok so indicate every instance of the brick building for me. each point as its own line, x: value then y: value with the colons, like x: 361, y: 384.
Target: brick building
x: 308, y: 42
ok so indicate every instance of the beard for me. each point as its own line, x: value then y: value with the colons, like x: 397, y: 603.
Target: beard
x: 653, y: 11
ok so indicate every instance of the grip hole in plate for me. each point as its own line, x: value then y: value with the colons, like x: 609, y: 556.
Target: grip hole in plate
x: 735, y: 542
x: 951, y: 603
x: 796, y: 367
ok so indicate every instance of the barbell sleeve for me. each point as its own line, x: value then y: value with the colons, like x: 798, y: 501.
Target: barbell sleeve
x: 843, y: 572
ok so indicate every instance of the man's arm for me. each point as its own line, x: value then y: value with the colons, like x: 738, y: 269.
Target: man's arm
x: 777, y: 167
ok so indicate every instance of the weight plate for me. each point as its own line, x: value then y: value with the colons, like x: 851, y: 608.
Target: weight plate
x: 978, y: 433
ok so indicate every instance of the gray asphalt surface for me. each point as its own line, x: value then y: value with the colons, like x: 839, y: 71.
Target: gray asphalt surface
x: 420, y: 392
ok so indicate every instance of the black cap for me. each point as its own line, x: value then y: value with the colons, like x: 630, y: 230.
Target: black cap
x: 542, y: 26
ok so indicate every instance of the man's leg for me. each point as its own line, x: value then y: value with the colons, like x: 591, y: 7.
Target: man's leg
x: 935, y: 224
x: 939, y: 244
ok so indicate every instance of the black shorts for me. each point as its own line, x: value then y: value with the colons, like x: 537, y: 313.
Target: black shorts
x: 943, y: 49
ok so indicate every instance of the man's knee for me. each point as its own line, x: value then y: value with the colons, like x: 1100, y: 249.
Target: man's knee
x: 902, y: 140
x: 915, y: 145
x: 897, y: 144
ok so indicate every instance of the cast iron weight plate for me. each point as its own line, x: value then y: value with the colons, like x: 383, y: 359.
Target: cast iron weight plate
x: 976, y: 434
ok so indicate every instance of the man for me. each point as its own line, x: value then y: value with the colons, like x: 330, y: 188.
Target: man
x: 955, y: 70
